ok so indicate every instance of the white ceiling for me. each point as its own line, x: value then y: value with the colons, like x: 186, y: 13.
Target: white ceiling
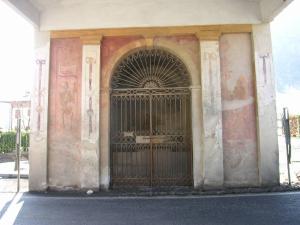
x: 85, y: 14
x: 45, y: 4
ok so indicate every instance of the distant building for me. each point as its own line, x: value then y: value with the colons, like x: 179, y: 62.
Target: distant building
x: 11, y: 111
x: 20, y: 109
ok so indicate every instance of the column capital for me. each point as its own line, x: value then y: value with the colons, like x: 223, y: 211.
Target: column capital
x: 208, y: 35
x: 91, y: 39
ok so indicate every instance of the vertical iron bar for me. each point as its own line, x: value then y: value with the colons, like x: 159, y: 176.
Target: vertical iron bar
x: 121, y: 115
x: 287, y: 134
x: 161, y: 130
x: 189, y: 152
x: 135, y: 145
x: 180, y: 114
x: 18, y: 144
x: 156, y: 124
x: 181, y: 150
x: 140, y: 133
x: 185, y: 162
x: 151, y: 150
x: 169, y: 132
x: 140, y: 115
x: 121, y: 138
x: 124, y: 139
x: 130, y: 130
x: 175, y: 135
x: 114, y: 127
x: 166, y: 127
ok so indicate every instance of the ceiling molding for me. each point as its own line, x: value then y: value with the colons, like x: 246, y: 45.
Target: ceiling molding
x: 210, y: 32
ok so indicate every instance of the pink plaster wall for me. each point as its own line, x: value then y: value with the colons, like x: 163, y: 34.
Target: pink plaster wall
x: 187, y: 43
x: 239, y: 114
x: 109, y: 47
x: 65, y: 113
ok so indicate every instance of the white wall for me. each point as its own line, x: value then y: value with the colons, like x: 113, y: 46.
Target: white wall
x: 84, y: 14
x: 137, y: 13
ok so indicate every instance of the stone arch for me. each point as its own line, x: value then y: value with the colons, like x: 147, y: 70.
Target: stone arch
x: 193, y: 68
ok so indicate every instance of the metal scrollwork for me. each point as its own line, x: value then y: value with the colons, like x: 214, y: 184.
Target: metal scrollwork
x: 150, y: 68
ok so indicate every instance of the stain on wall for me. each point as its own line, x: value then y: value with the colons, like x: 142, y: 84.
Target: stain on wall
x: 65, y: 113
x: 238, y: 111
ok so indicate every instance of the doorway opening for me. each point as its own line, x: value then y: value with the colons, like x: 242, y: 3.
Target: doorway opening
x: 150, y: 122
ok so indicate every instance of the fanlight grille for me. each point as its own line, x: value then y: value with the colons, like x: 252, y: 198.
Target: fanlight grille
x: 150, y: 68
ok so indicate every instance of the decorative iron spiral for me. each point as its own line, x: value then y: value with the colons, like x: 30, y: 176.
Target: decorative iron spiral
x: 150, y: 68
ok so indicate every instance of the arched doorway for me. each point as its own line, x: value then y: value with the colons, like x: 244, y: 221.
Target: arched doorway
x: 150, y: 138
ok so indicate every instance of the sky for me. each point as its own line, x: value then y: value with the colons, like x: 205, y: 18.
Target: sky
x: 285, y: 31
x: 16, y: 54
x: 16, y: 59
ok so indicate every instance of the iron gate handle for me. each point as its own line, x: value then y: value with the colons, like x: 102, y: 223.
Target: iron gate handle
x: 155, y: 137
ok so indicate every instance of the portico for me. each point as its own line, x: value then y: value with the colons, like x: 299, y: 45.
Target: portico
x: 153, y: 100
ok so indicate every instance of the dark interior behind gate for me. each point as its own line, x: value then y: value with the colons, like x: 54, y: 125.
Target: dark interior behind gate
x: 150, y: 121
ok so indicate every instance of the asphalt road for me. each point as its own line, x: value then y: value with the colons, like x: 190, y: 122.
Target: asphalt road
x: 281, y: 209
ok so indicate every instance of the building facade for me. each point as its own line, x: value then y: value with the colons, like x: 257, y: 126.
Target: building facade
x: 145, y: 97
x: 11, y: 111
x: 20, y: 110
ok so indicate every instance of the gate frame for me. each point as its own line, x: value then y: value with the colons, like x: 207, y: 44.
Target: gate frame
x: 181, y: 91
x: 195, y: 99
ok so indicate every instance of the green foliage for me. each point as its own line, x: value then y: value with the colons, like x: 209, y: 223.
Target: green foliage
x: 8, y: 141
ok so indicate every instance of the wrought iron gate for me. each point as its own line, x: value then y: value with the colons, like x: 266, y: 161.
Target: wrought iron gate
x: 150, y: 121
x: 150, y: 137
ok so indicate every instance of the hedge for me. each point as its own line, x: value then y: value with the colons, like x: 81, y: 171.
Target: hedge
x: 8, y: 141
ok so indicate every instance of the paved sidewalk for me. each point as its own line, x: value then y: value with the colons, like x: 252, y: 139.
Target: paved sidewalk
x: 7, y: 169
x: 8, y: 176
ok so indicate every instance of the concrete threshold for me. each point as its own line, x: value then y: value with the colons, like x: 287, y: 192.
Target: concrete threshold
x: 171, y: 193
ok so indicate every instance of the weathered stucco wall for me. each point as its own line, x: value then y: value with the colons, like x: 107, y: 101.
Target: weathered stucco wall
x: 66, y: 151
x: 65, y: 114
x: 38, y: 151
x: 239, y: 114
